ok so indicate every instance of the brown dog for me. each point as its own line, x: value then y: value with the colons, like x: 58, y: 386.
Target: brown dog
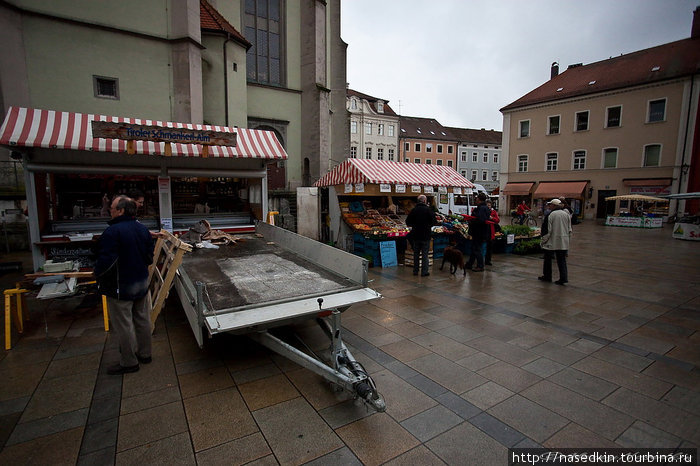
x: 455, y: 258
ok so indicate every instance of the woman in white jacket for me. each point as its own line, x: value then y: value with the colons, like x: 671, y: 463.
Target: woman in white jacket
x: 556, y: 242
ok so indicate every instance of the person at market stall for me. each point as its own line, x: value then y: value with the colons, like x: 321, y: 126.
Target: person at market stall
x: 421, y: 219
x: 521, y: 210
x: 479, y: 232
x: 494, y: 227
x: 125, y: 252
x: 555, y: 242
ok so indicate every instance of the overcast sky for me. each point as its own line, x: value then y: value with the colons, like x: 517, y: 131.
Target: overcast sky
x: 460, y: 61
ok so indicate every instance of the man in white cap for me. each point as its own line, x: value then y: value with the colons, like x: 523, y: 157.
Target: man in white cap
x: 555, y: 242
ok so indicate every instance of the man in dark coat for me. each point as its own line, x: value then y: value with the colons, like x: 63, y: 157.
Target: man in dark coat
x: 126, y: 251
x: 421, y: 219
x: 479, y: 231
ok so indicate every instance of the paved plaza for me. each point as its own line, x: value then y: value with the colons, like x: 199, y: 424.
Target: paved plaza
x: 469, y: 367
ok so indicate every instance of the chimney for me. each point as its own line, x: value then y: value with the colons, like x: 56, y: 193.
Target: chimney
x: 555, y: 70
x: 695, y: 30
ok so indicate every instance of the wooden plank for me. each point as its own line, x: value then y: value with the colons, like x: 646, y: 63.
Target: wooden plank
x: 133, y: 132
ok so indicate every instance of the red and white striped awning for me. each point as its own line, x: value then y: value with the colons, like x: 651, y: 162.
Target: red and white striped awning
x: 384, y: 171
x: 28, y: 127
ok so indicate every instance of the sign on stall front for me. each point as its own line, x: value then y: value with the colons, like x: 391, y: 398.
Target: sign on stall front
x: 387, y: 250
x: 132, y: 132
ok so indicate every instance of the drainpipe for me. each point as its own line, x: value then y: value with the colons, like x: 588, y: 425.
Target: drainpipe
x: 228, y: 39
x: 685, y: 139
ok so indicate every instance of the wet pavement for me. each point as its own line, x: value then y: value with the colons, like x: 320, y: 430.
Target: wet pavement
x: 469, y: 367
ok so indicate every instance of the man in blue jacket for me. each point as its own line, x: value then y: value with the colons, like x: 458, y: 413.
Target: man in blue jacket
x: 126, y: 251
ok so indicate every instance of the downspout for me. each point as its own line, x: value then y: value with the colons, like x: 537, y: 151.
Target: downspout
x: 228, y: 39
x: 685, y: 137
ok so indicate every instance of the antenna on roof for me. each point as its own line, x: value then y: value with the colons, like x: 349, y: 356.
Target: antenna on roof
x: 399, y: 106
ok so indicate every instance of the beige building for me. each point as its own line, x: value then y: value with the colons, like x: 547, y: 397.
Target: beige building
x: 618, y: 126
x: 374, y: 128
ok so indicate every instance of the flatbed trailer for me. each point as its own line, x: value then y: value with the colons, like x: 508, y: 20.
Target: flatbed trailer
x: 275, y: 278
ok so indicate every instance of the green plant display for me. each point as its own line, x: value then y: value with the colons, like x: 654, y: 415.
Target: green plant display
x: 517, y: 230
x: 528, y: 246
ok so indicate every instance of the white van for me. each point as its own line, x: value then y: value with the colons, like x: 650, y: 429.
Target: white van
x: 449, y: 203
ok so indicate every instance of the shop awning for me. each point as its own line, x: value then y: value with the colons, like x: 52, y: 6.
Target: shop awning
x: 647, y: 182
x: 518, y: 189
x: 27, y: 127
x: 384, y: 171
x: 560, y: 189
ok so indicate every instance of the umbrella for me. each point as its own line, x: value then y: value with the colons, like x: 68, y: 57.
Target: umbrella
x: 636, y: 197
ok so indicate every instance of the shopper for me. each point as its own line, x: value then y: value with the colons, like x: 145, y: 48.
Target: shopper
x: 479, y: 232
x: 494, y: 227
x: 126, y: 251
x: 555, y: 242
x: 421, y: 219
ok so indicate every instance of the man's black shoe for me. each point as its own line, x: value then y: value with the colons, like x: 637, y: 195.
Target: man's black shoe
x: 425, y: 274
x: 488, y: 263
x: 144, y: 360
x: 561, y: 282
x: 544, y: 279
x: 119, y: 369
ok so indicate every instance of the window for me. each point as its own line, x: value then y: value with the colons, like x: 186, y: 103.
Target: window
x: 582, y: 121
x: 484, y: 175
x: 105, y: 88
x: 368, y: 128
x: 417, y: 147
x: 475, y: 157
x: 553, y: 124
x: 380, y: 106
x: 495, y: 158
x: 652, y: 155
x: 415, y: 160
x: 473, y: 175
x: 391, y: 154
x: 522, y: 163
x: 353, y: 152
x: 613, y: 118
x: 464, y: 157
x: 380, y: 153
x: 264, y: 28
x: 449, y: 163
x: 428, y: 147
x: 610, y: 158
x: 380, y: 129
x: 428, y: 161
x: 657, y: 110
x: 494, y: 176
x: 439, y: 148
x: 552, y: 162
x: 438, y: 161
x: 391, y: 131
x: 464, y: 173
x: 368, y: 152
x: 353, y: 127
x: 524, y: 129
x: 485, y: 158
x: 580, y: 160
x: 449, y: 149
x: 353, y: 104
x: 406, y: 146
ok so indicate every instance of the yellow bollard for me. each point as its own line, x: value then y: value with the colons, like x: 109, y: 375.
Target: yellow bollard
x: 105, y: 312
x: 18, y: 293
x: 271, y: 217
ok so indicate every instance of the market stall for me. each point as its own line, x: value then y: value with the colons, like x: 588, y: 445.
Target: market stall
x: 635, y: 210
x: 74, y: 163
x: 370, y: 199
x: 687, y: 225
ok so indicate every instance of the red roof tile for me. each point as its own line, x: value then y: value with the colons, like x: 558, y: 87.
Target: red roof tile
x: 661, y: 63
x: 483, y: 136
x: 212, y: 20
x: 424, y: 128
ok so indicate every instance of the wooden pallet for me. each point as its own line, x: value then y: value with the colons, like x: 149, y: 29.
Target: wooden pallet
x: 167, y: 257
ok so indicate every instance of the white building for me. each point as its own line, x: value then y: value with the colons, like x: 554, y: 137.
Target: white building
x: 479, y: 155
x: 374, y: 128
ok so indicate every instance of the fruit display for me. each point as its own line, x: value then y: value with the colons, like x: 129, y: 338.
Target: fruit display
x: 371, y: 222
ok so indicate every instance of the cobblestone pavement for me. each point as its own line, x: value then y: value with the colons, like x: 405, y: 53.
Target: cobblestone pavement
x: 469, y: 366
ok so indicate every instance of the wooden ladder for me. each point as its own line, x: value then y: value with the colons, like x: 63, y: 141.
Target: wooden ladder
x: 167, y: 257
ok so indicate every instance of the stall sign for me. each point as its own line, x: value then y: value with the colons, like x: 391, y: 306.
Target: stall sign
x: 624, y: 221
x: 166, y: 224
x: 86, y: 255
x: 400, y: 188
x: 442, y: 189
x: 428, y: 189
x: 686, y: 231
x: 384, y: 188
x: 360, y: 188
x: 653, y: 222
x: 132, y: 132
x: 348, y: 188
x: 510, y: 238
x: 650, y: 190
x: 387, y: 249
x: 456, y: 190
x: 415, y: 188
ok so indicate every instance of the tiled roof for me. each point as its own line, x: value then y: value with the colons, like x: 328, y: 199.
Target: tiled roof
x: 372, y: 101
x: 423, y: 128
x: 661, y: 63
x: 482, y: 136
x: 212, y: 20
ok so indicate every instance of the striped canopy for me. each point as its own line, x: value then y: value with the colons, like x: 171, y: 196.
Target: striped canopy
x: 27, y: 127
x: 384, y: 171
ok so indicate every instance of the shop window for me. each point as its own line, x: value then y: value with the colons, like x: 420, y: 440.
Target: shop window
x: 524, y: 129
x: 522, y: 163
x: 582, y: 121
x: 580, y: 160
x: 657, y: 110
x: 652, y: 155
x: 264, y: 29
x: 105, y: 88
x: 610, y: 158
x: 553, y: 124
x: 614, y: 117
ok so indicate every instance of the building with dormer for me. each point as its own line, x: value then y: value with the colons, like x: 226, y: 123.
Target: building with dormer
x: 373, y: 128
x: 425, y: 140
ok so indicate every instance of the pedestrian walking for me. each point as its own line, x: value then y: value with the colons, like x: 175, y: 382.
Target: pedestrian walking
x: 125, y: 252
x: 421, y: 219
x: 555, y: 242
